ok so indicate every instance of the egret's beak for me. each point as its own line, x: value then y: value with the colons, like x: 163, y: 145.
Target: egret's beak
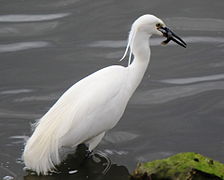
x: 171, y: 36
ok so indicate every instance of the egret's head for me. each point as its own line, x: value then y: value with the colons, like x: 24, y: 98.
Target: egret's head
x: 150, y: 25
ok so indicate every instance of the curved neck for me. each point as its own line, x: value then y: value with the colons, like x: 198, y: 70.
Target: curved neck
x: 136, y: 70
x: 140, y: 47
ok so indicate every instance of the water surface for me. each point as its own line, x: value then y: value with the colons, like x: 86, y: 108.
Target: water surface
x: 46, y: 46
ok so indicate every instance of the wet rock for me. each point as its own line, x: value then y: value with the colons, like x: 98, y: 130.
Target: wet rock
x: 183, y: 166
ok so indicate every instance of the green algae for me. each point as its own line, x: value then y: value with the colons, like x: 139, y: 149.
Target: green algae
x: 181, y: 167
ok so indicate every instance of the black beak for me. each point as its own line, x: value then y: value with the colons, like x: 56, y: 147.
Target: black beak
x: 171, y: 36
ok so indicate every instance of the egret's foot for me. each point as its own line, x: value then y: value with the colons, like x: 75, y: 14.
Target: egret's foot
x: 83, y: 151
x: 107, y: 160
x: 88, y: 154
x: 74, y: 160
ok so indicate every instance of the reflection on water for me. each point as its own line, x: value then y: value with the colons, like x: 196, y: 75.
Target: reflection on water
x: 7, y: 113
x: 154, y: 156
x: 48, y: 97
x: 26, y: 29
x: 22, y: 46
x: 31, y: 17
x: 194, y: 79
x: 196, y: 24
x: 165, y: 95
x: 16, y: 91
x: 11, y: 175
x: 119, y: 137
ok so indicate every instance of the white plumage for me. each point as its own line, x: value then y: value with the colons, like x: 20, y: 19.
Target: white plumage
x: 91, y: 106
x: 84, y: 112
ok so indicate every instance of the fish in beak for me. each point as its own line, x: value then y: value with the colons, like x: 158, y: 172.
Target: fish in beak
x: 170, y: 35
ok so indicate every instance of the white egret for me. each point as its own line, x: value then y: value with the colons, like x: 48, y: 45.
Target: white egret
x: 95, y: 104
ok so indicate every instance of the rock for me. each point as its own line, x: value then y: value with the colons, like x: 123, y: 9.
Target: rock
x: 183, y: 166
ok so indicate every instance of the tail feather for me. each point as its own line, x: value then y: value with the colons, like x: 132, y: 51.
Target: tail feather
x: 41, y: 150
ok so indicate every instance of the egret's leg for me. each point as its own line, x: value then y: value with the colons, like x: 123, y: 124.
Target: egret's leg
x: 92, y: 143
x: 88, y: 153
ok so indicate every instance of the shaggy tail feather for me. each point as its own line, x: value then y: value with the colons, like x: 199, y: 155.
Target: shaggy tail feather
x: 41, y: 152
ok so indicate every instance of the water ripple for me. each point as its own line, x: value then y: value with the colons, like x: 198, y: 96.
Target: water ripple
x: 119, y: 137
x: 22, y: 46
x: 31, y: 17
x: 6, y: 113
x: 195, y: 24
x: 27, y: 29
x: 193, y: 79
x: 16, y: 91
x: 112, y: 151
x: 48, y: 97
x: 163, y: 95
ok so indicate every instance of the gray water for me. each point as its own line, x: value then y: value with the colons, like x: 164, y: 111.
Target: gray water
x: 46, y: 46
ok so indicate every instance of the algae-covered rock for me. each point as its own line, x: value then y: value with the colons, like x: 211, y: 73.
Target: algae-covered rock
x: 183, y: 166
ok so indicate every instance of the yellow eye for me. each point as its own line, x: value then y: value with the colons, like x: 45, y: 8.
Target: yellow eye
x: 158, y: 25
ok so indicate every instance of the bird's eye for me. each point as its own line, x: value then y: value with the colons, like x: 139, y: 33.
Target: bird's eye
x: 158, y: 25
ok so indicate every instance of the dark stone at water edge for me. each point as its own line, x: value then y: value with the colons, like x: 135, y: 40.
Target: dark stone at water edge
x: 183, y: 166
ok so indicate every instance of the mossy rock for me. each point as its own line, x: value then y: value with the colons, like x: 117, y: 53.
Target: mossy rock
x: 183, y: 166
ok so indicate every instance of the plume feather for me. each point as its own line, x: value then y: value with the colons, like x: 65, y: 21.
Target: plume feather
x: 131, y: 38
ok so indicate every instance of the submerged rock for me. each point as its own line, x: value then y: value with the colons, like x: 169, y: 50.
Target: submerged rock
x: 183, y: 166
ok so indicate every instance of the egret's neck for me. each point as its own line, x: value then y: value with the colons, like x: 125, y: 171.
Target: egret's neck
x: 141, y: 51
x: 140, y: 47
